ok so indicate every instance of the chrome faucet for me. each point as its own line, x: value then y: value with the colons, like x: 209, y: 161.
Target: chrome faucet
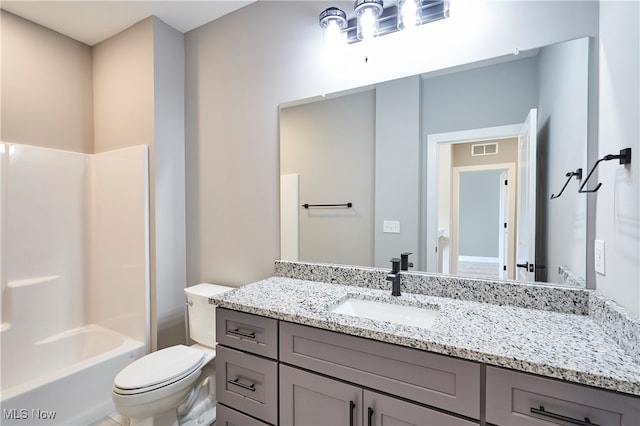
x: 394, y: 276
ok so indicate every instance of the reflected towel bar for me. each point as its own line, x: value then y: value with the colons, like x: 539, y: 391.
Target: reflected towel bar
x: 577, y: 174
x: 624, y: 157
x: 347, y: 205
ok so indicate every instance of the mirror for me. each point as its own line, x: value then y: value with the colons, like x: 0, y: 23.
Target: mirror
x: 455, y: 166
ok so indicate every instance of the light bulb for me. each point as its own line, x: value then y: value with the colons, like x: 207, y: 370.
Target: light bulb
x: 367, y: 23
x: 332, y: 34
x: 367, y: 13
x: 408, y: 14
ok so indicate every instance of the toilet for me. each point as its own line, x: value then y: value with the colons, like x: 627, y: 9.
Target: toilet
x: 175, y: 385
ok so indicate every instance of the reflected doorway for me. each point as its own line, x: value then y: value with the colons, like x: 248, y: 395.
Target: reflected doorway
x: 477, y: 208
x: 483, y: 221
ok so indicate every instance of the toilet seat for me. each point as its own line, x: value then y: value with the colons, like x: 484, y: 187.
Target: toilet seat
x: 159, y: 369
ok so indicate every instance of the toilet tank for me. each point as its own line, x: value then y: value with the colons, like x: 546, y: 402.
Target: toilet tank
x: 201, y: 313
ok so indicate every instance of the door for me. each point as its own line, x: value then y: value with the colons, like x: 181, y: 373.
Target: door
x: 503, y: 224
x: 382, y: 410
x: 526, y: 206
x: 308, y: 399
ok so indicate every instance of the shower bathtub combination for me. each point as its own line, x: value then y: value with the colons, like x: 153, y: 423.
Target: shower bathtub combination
x: 75, y: 281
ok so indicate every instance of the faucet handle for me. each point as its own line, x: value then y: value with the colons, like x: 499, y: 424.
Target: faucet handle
x: 404, y: 263
x: 395, y: 265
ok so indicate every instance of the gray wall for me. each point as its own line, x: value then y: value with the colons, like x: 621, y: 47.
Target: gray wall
x: 479, y: 213
x: 330, y: 145
x: 562, y: 118
x: 397, y: 171
x: 618, y: 201
x: 495, y: 95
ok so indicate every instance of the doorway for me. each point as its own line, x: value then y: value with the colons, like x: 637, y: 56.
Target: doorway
x: 482, y: 221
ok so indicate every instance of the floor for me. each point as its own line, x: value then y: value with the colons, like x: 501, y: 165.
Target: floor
x: 113, y: 419
x: 478, y: 270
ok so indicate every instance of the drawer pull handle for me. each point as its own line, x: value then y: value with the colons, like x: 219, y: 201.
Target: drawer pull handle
x: 243, y: 333
x: 370, y: 414
x: 352, y: 405
x: 541, y: 411
x: 251, y: 387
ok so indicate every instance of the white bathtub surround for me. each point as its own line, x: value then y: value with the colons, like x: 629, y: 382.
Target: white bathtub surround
x: 74, y: 279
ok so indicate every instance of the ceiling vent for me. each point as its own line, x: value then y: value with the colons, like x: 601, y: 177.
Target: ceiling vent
x: 484, y: 149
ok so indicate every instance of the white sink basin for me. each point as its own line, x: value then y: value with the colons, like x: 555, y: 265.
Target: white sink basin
x: 399, y: 314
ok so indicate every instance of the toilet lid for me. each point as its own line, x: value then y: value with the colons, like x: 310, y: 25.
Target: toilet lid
x: 159, y: 367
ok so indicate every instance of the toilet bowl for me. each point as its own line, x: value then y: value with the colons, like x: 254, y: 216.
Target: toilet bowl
x: 175, y: 385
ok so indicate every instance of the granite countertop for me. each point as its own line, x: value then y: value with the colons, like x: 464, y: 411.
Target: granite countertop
x: 568, y: 346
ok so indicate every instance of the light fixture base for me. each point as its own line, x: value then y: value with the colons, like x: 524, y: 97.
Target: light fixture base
x: 333, y: 14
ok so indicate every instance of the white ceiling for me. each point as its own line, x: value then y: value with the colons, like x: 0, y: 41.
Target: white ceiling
x: 93, y: 21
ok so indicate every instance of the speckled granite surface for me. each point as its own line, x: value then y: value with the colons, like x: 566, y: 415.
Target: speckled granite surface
x: 579, y: 347
x: 567, y: 299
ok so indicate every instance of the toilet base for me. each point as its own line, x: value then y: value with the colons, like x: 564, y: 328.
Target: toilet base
x: 198, y: 408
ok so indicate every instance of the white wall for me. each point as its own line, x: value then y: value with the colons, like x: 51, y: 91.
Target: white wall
x: 243, y: 65
x: 117, y: 220
x: 46, y: 240
x: 618, y: 207
x: 76, y: 240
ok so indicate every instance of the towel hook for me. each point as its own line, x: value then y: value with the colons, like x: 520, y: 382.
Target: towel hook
x: 577, y: 174
x: 624, y: 157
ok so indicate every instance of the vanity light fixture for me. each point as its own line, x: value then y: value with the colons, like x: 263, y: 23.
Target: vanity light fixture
x: 367, y: 14
x: 372, y: 19
x: 333, y: 21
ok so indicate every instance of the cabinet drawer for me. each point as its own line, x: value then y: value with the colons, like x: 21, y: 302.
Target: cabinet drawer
x: 227, y: 417
x: 247, y: 383
x: 247, y: 332
x: 516, y: 398
x: 436, y: 380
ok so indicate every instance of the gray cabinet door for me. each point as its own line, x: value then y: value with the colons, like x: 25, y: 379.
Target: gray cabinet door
x: 308, y: 399
x: 382, y: 410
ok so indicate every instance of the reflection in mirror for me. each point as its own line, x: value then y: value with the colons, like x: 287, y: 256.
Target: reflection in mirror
x: 455, y: 166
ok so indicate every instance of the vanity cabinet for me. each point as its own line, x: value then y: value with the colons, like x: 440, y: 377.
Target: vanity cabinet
x: 515, y: 398
x: 435, y: 380
x: 246, y: 368
x: 312, y: 400
x: 271, y: 372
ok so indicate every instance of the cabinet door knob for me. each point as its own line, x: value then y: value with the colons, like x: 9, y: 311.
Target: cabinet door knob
x: 369, y: 416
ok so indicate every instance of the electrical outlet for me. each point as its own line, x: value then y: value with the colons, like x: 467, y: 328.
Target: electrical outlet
x: 598, y: 256
x: 391, y: 226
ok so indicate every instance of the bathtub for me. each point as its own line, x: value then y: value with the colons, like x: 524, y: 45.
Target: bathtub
x: 65, y: 379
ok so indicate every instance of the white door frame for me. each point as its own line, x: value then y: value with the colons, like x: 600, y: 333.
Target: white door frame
x: 429, y: 179
x: 511, y: 214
